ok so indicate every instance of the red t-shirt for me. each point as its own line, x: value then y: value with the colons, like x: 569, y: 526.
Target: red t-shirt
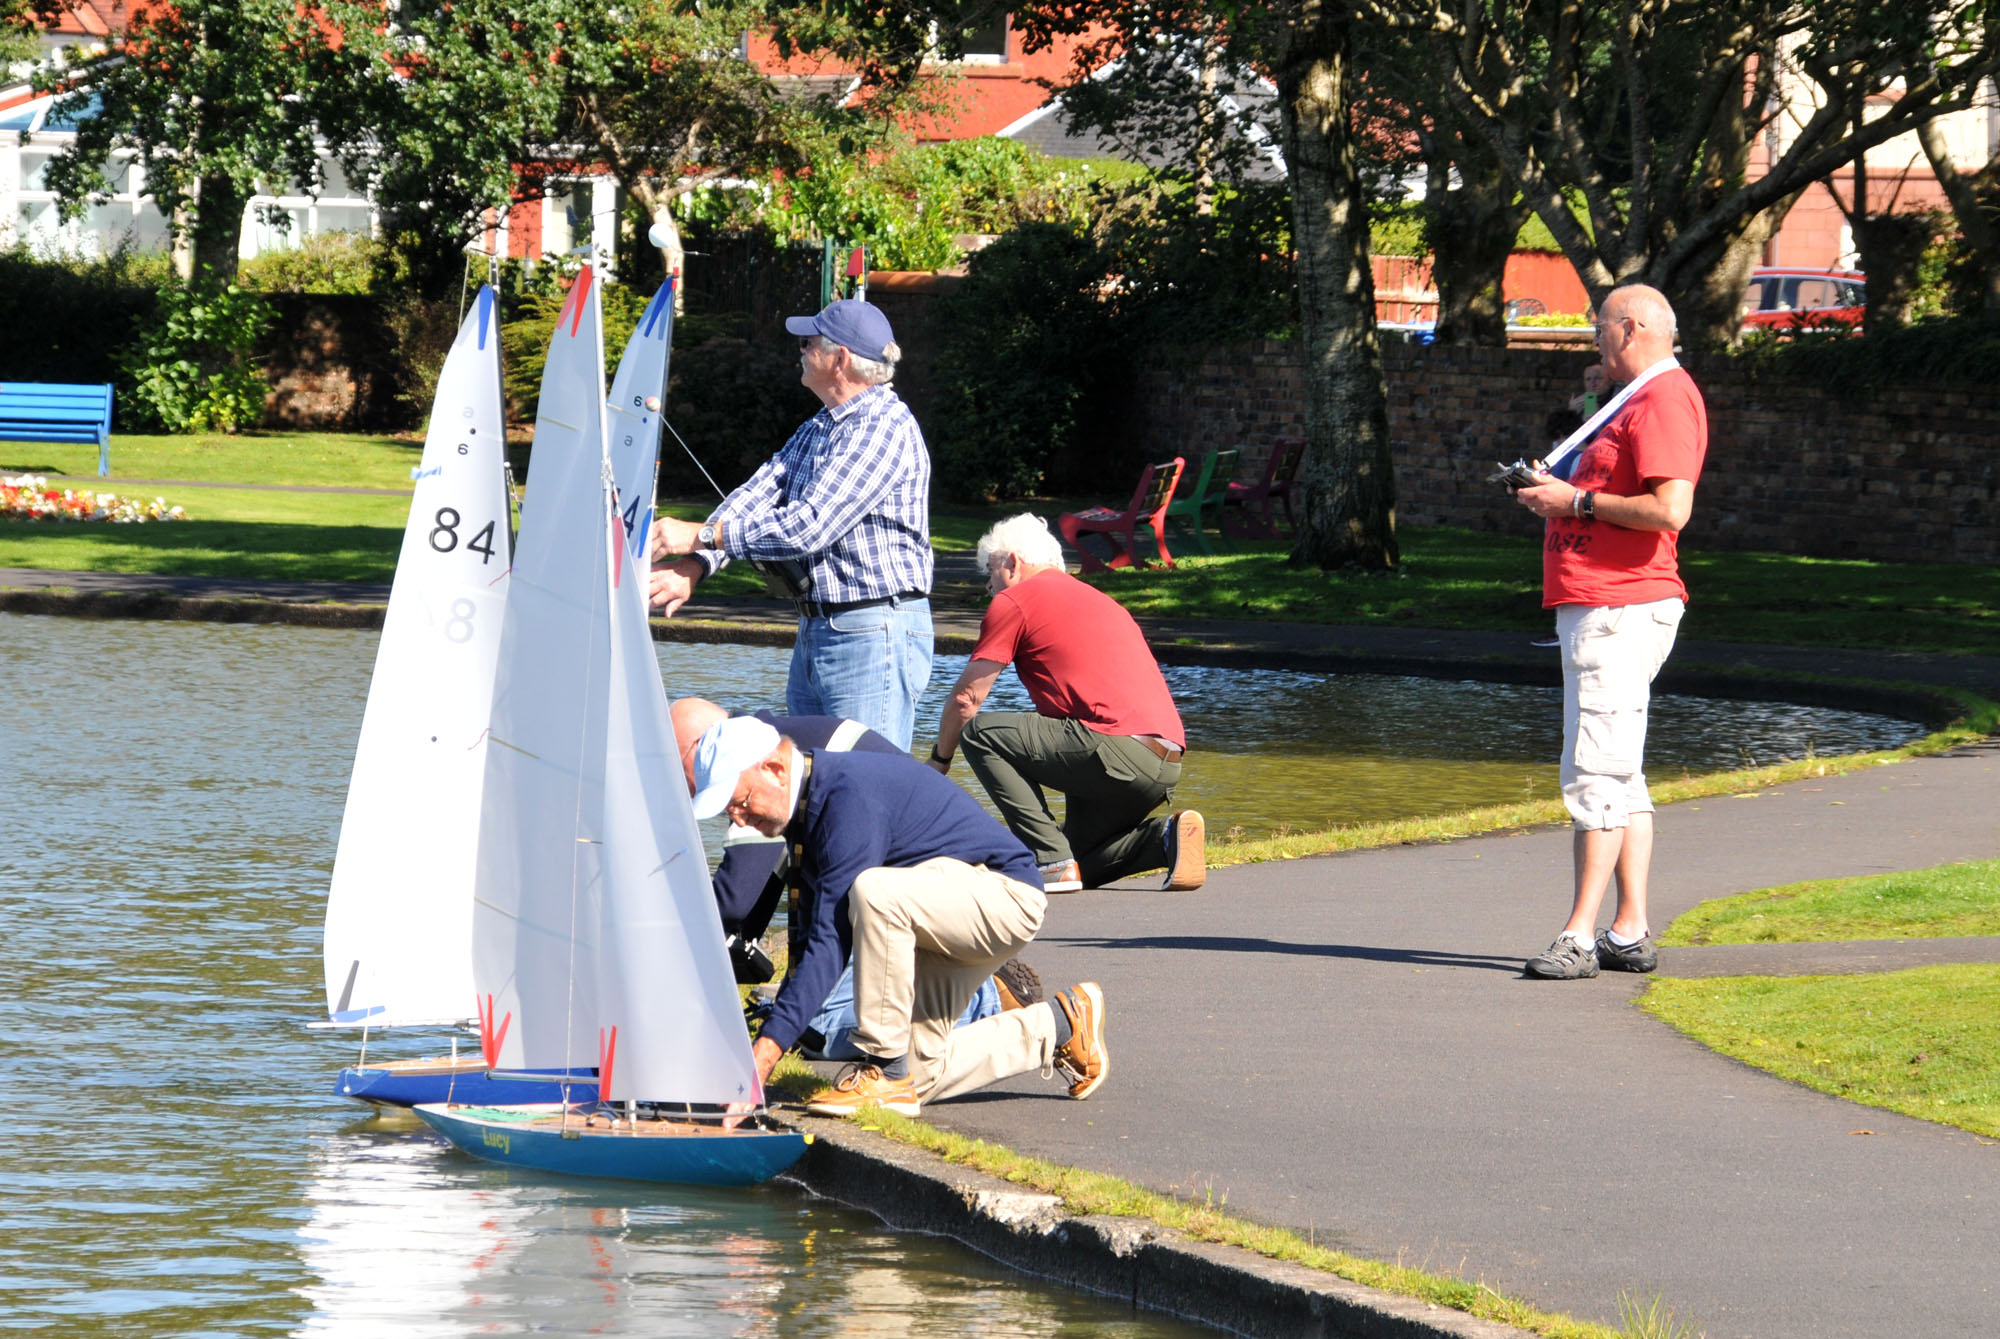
x: 1080, y: 656
x: 1661, y: 433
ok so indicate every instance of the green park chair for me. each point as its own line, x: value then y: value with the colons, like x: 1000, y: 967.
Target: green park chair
x: 1211, y: 485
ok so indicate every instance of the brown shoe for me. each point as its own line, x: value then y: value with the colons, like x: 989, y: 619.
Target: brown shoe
x: 1083, y: 1059
x: 1018, y: 984
x: 1187, y: 865
x: 1062, y: 877
x: 864, y: 1085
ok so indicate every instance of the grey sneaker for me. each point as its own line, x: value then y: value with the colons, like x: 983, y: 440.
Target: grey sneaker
x: 1639, y: 957
x: 1564, y: 960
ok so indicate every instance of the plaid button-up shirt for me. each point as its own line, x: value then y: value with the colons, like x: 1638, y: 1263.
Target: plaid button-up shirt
x: 850, y: 495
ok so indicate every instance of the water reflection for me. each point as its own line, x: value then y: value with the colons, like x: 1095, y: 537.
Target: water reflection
x: 176, y: 1162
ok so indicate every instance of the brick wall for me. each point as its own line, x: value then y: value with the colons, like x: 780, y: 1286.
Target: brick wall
x: 1913, y: 474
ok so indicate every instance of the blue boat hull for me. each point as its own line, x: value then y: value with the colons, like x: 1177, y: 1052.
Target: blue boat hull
x: 536, y: 1137
x: 407, y: 1083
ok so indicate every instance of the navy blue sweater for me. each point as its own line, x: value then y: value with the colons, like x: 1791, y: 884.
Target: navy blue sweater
x: 863, y: 811
x: 746, y: 890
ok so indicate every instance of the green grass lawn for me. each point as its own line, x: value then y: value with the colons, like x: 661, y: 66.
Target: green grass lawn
x: 287, y: 536
x: 1959, y: 899
x: 1469, y: 579
x: 325, y: 459
x: 1921, y: 1042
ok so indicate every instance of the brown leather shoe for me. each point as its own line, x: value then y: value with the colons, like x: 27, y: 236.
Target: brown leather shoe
x: 1019, y: 984
x: 864, y: 1085
x: 1187, y: 863
x: 1083, y: 1059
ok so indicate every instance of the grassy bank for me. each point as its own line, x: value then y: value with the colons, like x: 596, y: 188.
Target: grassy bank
x: 1950, y: 900
x: 1919, y: 1042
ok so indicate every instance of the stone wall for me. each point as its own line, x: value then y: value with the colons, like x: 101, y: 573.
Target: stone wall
x: 1912, y: 474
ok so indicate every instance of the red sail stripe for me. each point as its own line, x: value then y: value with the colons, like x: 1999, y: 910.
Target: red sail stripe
x: 607, y: 1053
x: 577, y: 295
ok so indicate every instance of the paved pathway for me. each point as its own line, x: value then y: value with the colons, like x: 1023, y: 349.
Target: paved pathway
x: 1345, y: 1046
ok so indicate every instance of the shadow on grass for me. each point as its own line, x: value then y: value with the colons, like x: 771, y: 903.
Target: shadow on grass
x: 239, y: 549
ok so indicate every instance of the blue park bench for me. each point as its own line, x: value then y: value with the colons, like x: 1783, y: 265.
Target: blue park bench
x: 46, y: 411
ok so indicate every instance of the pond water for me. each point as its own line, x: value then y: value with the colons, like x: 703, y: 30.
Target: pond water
x: 1271, y: 750
x: 175, y: 1161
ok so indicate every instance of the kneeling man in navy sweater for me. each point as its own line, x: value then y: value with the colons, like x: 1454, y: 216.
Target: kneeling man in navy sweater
x: 902, y: 869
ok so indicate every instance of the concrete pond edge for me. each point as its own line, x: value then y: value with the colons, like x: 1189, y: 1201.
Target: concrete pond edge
x: 1133, y: 1260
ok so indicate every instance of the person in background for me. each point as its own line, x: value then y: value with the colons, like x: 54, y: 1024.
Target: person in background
x: 844, y: 507
x: 1610, y: 570
x: 1104, y: 732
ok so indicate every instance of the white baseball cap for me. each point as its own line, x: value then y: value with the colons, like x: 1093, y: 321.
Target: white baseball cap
x: 721, y: 756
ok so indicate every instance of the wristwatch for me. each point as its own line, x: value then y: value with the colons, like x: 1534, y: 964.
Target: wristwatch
x: 706, y: 539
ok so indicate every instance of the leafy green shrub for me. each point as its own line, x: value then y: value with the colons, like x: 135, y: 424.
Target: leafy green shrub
x: 908, y: 206
x: 734, y: 404
x: 1024, y: 343
x: 524, y: 339
x: 423, y: 330
x: 65, y: 320
x: 191, y: 366
x: 1963, y: 350
x: 1039, y: 348
x: 336, y: 262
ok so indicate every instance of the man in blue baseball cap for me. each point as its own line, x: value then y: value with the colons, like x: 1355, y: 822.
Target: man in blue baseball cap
x: 844, y: 508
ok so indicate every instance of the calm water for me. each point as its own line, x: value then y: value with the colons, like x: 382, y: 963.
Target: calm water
x: 174, y: 1161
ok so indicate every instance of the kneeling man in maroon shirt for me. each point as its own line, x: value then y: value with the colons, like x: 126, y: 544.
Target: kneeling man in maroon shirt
x: 1104, y: 731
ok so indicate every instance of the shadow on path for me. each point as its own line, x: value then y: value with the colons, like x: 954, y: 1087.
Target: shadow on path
x: 1360, y: 952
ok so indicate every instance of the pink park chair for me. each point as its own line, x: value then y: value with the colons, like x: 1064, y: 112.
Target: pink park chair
x: 1255, y: 511
x: 1121, y: 528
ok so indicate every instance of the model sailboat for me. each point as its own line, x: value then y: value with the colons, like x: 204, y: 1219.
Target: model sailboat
x: 399, y: 915
x: 596, y: 941
x: 399, y: 909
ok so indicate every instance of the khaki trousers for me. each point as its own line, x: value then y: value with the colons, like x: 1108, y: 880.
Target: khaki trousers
x: 925, y: 938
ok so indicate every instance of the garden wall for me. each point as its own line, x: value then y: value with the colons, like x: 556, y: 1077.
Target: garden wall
x: 1910, y: 474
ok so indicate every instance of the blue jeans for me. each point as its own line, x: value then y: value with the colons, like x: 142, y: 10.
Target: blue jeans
x: 869, y: 665
x: 835, y: 1020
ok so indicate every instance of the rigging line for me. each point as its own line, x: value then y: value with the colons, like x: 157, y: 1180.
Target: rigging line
x: 690, y: 452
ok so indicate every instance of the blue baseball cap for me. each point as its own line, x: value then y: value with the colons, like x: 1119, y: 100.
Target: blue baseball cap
x: 858, y: 325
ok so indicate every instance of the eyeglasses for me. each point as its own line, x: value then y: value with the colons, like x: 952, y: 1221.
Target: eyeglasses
x: 809, y: 343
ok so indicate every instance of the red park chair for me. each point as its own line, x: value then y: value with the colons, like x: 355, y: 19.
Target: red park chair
x: 1253, y: 502
x: 1147, y: 507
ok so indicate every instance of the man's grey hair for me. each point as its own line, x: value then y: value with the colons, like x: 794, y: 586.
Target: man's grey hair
x: 875, y: 373
x: 1026, y: 537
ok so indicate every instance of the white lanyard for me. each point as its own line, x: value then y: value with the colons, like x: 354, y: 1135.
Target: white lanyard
x: 1575, y: 440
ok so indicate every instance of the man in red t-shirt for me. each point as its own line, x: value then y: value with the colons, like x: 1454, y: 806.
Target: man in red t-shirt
x: 1610, y: 570
x: 1104, y: 731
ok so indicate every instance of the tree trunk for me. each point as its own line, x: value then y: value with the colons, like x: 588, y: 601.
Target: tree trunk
x: 1472, y: 232
x: 1891, y: 247
x: 217, y: 229
x: 1705, y: 285
x: 1978, y: 218
x: 1347, y: 482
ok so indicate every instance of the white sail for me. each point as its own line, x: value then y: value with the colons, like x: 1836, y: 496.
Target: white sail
x: 670, y: 1022
x: 399, y: 910
x: 539, y: 838
x: 632, y: 417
